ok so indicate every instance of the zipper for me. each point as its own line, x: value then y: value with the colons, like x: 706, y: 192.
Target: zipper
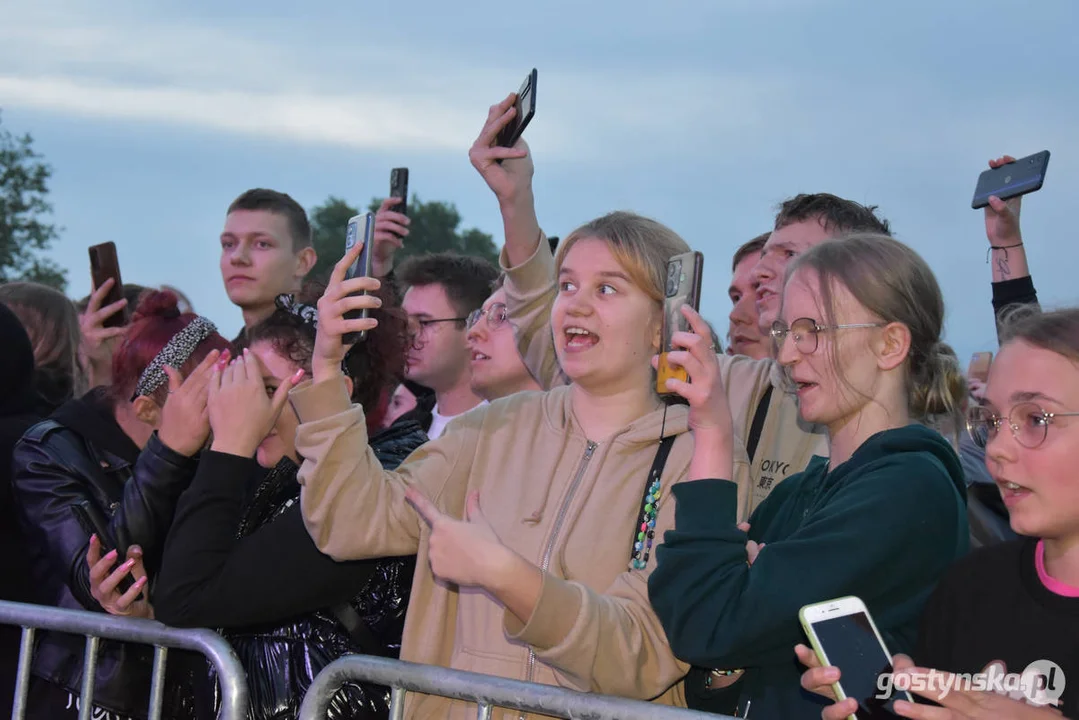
x: 545, y: 563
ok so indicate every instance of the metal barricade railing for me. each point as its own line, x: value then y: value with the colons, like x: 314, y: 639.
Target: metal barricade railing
x: 95, y: 625
x: 487, y: 691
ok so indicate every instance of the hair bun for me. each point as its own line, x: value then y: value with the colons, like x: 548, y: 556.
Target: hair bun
x: 158, y: 303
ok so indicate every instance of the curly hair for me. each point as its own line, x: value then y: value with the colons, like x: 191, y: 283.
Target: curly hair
x: 376, y: 365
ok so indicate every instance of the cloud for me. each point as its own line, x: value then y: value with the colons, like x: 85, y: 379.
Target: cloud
x: 266, y: 83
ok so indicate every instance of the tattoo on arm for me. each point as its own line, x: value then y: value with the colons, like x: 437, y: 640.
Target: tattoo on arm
x: 1004, y: 268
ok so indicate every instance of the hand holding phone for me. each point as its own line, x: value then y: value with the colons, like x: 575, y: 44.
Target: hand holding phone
x: 844, y: 635
x: 525, y: 105
x: 399, y: 189
x: 104, y: 265
x: 361, y: 228
x: 683, y: 287
x: 94, y: 522
x: 1013, y: 179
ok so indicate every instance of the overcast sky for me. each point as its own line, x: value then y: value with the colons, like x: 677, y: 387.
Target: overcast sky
x: 702, y: 113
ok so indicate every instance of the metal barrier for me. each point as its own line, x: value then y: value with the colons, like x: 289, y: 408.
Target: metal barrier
x: 95, y: 625
x: 487, y: 691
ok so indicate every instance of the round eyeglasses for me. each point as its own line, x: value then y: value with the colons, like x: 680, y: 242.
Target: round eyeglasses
x: 806, y: 332
x: 496, y: 315
x: 1028, y: 422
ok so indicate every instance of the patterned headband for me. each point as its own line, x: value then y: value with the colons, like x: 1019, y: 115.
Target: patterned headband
x: 176, y: 352
x: 307, y: 314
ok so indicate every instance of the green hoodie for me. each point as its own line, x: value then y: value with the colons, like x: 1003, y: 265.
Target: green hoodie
x: 883, y: 526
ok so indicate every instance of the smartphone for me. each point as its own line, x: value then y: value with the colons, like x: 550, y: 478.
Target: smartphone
x: 979, y: 366
x: 361, y: 228
x: 104, y: 265
x: 94, y: 522
x: 844, y: 635
x: 399, y: 189
x: 526, y: 110
x: 1023, y: 176
x: 684, y: 274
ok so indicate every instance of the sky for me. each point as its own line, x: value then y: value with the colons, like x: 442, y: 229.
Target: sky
x: 704, y: 114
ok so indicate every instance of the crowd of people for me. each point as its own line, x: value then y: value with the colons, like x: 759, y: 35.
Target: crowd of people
x: 489, y: 481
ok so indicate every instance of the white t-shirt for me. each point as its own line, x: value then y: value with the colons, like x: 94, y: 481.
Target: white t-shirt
x: 439, y: 421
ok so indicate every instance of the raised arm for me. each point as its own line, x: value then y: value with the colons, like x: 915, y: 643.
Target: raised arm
x: 1012, y: 284
x: 211, y: 578
x: 526, y: 257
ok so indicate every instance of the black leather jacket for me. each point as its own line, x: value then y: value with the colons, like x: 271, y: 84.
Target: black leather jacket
x: 81, y: 454
x: 287, y: 609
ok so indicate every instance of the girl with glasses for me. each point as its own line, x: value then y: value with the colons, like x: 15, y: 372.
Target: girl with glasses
x: 882, y: 518
x: 1015, y: 603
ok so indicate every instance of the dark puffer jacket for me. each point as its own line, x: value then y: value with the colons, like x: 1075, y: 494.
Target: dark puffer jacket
x: 81, y: 455
x: 285, y: 607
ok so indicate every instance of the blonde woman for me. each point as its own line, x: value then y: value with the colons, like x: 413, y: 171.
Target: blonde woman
x: 882, y: 518
x: 533, y: 517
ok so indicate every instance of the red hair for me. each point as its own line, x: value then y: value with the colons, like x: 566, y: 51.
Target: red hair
x: 156, y: 320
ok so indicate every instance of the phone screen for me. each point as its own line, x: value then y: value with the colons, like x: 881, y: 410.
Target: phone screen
x: 851, y: 645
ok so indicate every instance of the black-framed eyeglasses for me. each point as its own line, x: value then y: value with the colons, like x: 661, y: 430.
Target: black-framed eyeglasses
x: 496, y: 315
x: 1028, y: 422
x: 416, y: 326
x: 806, y: 332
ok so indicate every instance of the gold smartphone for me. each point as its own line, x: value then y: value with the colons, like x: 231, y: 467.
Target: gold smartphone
x: 683, y: 287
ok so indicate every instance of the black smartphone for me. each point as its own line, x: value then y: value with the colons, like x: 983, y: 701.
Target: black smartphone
x: 94, y: 522
x: 361, y: 228
x: 104, y: 265
x: 399, y: 189
x: 684, y: 275
x: 1023, y: 176
x: 526, y: 110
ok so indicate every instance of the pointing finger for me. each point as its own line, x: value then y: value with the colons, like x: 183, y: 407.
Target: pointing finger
x: 423, y: 506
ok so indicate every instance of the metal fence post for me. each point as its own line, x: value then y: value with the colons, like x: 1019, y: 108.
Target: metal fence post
x: 93, y: 625
x: 486, y: 691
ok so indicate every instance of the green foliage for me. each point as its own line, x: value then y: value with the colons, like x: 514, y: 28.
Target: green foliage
x: 434, y: 229
x: 24, y: 210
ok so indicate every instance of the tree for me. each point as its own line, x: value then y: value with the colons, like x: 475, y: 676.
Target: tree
x: 24, y: 209
x: 434, y: 229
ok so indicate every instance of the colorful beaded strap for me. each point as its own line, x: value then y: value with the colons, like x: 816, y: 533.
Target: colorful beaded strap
x: 645, y: 531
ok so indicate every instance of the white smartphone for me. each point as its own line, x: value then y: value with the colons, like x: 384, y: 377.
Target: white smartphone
x: 844, y: 635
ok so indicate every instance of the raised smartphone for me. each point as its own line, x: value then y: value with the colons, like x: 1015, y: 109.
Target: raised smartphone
x: 683, y: 287
x: 399, y: 189
x: 104, y: 265
x: 526, y: 110
x: 979, y: 366
x: 361, y: 228
x: 1023, y: 176
x: 843, y: 635
x: 94, y: 522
